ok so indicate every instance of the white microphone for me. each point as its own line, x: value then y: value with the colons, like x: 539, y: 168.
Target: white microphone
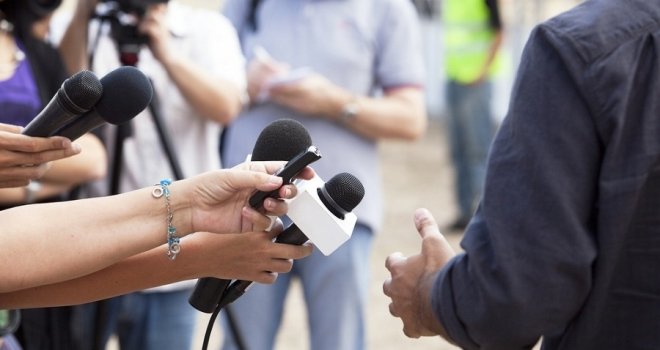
x: 321, y: 213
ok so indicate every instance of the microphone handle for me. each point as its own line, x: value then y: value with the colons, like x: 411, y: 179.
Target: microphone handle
x: 51, y: 118
x: 287, y: 173
x: 80, y: 126
x: 292, y: 235
x: 207, y: 293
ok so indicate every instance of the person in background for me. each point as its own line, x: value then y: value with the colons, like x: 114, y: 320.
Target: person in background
x: 565, y: 243
x: 31, y: 72
x: 352, y: 73
x: 472, y: 40
x: 194, y: 60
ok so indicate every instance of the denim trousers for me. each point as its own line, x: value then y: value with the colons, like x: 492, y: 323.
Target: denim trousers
x: 335, y: 289
x: 470, y: 132
x: 141, y: 321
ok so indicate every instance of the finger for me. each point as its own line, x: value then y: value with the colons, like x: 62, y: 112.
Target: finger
x: 409, y: 333
x: 295, y: 252
x: 392, y: 309
x: 242, y: 179
x: 393, y: 259
x: 307, y: 173
x: 10, y: 128
x: 23, y: 173
x: 288, y: 191
x: 269, y: 167
x: 425, y: 223
x: 259, y: 221
x: 275, y: 207
x: 435, y: 246
x: 387, y: 286
x: 23, y: 143
x: 14, y: 183
x: 266, y: 277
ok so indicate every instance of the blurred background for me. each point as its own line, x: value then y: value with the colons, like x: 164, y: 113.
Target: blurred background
x: 415, y: 174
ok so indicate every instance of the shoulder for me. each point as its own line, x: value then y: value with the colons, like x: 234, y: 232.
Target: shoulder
x: 185, y: 18
x: 597, y: 27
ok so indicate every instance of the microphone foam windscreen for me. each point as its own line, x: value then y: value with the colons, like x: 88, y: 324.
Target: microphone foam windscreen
x: 282, y: 139
x: 126, y: 92
x: 82, y: 91
x: 346, y: 190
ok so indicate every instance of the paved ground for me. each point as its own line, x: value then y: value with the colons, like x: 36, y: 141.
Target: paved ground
x: 415, y: 175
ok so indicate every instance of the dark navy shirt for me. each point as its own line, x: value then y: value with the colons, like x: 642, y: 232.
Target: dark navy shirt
x: 566, y: 241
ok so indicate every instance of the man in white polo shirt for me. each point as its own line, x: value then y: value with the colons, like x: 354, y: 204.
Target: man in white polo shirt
x: 194, y: 60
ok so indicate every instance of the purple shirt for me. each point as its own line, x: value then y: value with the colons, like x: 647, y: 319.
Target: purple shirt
x: 19, y: 97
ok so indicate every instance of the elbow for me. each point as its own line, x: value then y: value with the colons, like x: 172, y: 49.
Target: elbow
x: 416, y: 128
x: 98, y: 170
x: 225, y: 111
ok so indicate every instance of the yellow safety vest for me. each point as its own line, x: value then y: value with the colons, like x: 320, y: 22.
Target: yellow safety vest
x: 467, y: 39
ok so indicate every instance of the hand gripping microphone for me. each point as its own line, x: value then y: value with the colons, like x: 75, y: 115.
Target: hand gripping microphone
x: 283, y: 139
x: 126, y: 92
x: 321, y: 213
x: 77, y: 95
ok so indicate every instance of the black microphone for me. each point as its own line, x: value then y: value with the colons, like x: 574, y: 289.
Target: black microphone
x: 126, y: 92
x: 77, y: 95
x: 283, y: 139
x: 340, y: 195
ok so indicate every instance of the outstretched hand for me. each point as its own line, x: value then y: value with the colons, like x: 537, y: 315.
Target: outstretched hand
x: 24, y: 158
x: 217, y: 201
x: 412, y: 279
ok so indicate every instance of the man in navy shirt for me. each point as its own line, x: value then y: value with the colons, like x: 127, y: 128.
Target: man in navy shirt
x: 566, y: 242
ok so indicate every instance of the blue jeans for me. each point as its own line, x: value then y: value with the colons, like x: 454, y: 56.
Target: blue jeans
x: 335, y: 289
x: 471, y: 129
x: 142, y: 321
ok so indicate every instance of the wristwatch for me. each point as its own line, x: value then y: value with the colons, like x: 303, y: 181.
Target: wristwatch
x: 31, y: 191
x: 350, y: 111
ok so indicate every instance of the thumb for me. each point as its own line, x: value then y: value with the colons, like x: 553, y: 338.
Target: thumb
x: 434, y: 245
x: 425, y: 223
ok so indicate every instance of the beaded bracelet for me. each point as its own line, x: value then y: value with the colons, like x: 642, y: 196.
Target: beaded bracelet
x: 173, y: 246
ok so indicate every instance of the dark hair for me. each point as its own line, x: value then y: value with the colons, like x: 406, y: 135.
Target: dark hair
x: 23, y: 13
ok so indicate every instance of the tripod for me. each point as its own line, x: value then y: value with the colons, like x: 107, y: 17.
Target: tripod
x: 128, y: 56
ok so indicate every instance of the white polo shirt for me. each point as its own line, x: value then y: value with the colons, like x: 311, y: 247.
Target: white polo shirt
x: 208, y: 40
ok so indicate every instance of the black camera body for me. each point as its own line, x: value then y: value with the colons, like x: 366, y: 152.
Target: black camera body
x: 124, y: 17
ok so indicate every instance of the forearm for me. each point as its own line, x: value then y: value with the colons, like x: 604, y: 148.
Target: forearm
x: 73, y: 46
x: 146, y: 270
x: 245, y: 256
x: 18, y: 195
x: 400, y: 114
x: 89, y: 165
x: 208, y: 95
x: 75, y: 238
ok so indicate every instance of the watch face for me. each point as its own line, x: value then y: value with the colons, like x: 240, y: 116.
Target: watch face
x: 9, y: 320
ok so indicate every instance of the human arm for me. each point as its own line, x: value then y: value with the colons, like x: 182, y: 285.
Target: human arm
x: 529, y: 250
x: 495, y: 22
x: 73, y: 46
x: 399, y: 114
x: 247, y: 256
x: 412, y: 278
x: 211, y: 96
x: 493, y: 48
x: 24, y: 158
x: 54, y: 242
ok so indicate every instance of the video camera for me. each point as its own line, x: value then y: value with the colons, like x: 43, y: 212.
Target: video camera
x: 124, y: 17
